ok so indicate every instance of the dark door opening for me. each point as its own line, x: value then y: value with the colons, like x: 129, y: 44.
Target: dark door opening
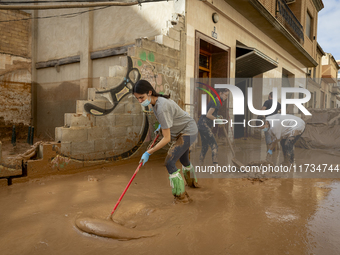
x: 212, y: 64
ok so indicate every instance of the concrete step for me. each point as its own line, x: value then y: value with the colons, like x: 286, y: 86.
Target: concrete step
x: 168, y: 41
x: 104, y: 104
x: 79, y: 120
x: 71, y: 134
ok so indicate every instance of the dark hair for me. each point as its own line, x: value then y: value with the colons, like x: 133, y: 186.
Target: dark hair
x: 259, y: 123
x: 143, y: 87
x: 271, y: 94
x: 222, y: 90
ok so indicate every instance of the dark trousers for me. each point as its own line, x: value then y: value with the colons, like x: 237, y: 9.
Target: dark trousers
x: 287, y: 146
x: 208, y: 139
x: 179, y: 151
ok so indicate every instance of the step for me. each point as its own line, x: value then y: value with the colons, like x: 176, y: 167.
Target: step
x: 79, y: 120
x: 104, y: 104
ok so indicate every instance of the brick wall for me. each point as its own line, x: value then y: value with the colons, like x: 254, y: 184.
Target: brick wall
x: 15, y: 36
x: 15, y: 74
x: 269, y: 5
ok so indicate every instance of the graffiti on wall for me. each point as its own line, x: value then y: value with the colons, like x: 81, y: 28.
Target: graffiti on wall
x: 165, y: 80
x: 117, y: 93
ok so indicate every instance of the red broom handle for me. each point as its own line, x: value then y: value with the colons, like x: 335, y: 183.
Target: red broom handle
x: 133, y: 176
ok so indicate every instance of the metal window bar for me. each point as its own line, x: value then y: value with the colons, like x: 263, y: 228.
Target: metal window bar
x: 289, y: 20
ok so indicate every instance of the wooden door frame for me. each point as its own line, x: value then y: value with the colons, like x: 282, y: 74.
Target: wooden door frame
x: 200, y: 36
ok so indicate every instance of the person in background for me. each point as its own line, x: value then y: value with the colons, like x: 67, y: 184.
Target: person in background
x: 286, y: 134
x: 205, y: 125
x: 177, y: 126
x: 267, y: 105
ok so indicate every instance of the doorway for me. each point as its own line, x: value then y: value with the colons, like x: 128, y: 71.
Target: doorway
x: 212, y: 66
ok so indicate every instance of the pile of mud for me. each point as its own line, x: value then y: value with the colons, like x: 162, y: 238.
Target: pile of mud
x: 260, y: 170
x: 322, y: 130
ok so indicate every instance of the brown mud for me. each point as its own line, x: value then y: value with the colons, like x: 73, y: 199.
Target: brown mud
x: 227, y: 216
x: 110, y: 229
x: 10, y: 152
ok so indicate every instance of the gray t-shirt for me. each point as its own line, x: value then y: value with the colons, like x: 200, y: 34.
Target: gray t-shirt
x: 293, y: 126
x: 170, y: 115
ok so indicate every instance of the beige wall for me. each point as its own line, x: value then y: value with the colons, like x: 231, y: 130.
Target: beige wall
x: 58, y: 37
x: 122, y: 25
x: 61, y: 37
x: 310, y: 43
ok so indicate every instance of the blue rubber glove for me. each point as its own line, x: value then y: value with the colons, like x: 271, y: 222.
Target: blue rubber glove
x: 270, y: 152
x: 145, y: 157
x: 158, y: 129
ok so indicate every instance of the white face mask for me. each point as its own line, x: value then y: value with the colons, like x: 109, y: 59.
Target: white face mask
x: 146, y: 102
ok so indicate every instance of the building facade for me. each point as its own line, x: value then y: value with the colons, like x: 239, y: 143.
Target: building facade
x: 79, y: 62
x: 266, y: 43
x: 330, y: 89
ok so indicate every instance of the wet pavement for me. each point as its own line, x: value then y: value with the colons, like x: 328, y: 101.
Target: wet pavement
x: 228, y: 215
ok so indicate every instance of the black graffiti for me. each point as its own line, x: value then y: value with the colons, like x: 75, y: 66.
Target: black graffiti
x: 97, y: 111
x: 93, y: 109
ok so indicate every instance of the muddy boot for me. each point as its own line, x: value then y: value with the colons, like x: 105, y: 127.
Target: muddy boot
x: 189, y: 175
x: 182, y: 199
x: 178, y: 189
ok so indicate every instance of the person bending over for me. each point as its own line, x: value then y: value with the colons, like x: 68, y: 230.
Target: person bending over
x: 287, y: 134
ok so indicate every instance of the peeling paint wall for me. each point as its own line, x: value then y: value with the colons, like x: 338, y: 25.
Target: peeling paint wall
x: 15, y: 74
x: 159, y: 65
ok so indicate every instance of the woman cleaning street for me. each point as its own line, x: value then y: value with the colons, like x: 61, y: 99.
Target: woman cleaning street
x: 176, y: 126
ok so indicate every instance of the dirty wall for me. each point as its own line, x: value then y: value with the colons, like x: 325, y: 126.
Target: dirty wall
x: 72, y: 53
x: 15, y: 74
x: 110, y: 124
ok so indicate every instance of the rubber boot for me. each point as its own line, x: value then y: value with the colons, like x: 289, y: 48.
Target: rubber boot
x: 178, y: 189
x: 189, y: 175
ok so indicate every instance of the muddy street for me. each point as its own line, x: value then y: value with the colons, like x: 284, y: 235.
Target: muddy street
x: 227, y: 216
